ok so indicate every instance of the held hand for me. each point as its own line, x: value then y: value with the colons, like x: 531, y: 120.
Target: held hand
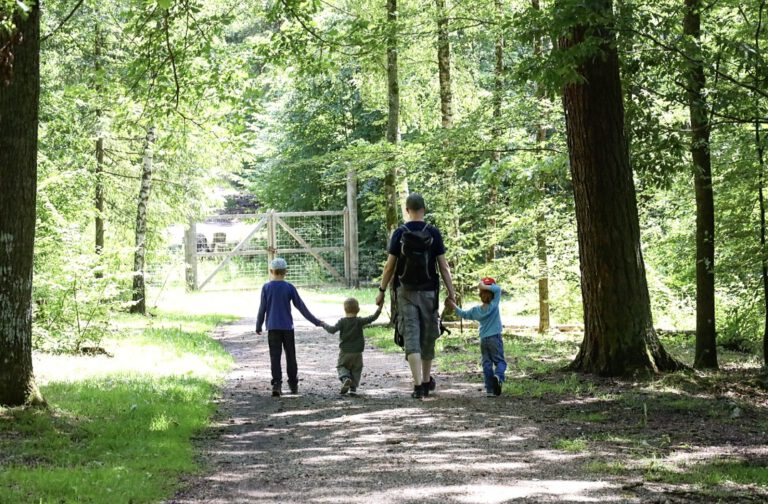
x: 380, y: 299
x: 258, y: 333
x: 450, y: 303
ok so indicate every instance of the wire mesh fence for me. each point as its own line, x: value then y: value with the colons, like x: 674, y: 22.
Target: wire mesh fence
x: 233, y: 252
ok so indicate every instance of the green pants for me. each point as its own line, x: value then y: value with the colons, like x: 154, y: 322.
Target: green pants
x: 350, y: 365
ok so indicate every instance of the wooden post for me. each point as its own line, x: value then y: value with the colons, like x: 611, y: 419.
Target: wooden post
x: 271, y: 239
x: 347, y: 275
x: 354, y: 279
x: 190, y: 255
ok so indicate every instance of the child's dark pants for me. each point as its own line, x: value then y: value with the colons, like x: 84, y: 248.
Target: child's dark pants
x: 280, y: 339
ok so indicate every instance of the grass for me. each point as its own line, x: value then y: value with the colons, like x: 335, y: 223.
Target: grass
x: 577, y: 445
x: 118, y: 428
x: 720, y: 472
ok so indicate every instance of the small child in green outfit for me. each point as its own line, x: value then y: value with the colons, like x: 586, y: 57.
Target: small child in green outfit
x: 351, y: 344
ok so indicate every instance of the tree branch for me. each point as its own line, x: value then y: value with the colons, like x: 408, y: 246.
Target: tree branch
x: 63, y: 21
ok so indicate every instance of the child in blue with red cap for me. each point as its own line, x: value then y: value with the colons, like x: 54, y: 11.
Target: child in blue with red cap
x: 491, y: 344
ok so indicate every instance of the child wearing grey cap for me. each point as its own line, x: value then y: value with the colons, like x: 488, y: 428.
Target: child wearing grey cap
x: 275, y: 308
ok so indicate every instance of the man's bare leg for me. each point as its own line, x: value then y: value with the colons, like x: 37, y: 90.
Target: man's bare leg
x: 415, y: 362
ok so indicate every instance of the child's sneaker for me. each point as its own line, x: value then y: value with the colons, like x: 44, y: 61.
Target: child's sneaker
x: 490, y: 394
x: 353, y: 391
x: 496, y: 386
x: 345, y: 386
x: 276, y: 390
x: 294, y: 389
x: 418, y: 392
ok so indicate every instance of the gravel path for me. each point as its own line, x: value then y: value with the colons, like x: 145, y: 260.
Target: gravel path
x: 382, y: 446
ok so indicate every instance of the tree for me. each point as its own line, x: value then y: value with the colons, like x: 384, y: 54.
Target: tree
x: 619, y: 337
x: 706, y: 350
x: 393, y: 116
x: 19, y: 100
x: 139, y: 289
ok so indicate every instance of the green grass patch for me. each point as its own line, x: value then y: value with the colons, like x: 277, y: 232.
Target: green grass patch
x: 118, y: 429
x: 710, y: 474
x: 576, y: 445
x: 588, y: 416
x: 602, y: 467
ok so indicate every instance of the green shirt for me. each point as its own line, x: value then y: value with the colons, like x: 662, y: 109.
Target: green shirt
x: 351, y: 331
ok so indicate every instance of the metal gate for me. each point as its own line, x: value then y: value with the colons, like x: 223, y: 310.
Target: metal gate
x: 234, y: 251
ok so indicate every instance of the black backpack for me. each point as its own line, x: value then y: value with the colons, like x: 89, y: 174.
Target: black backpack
x: 413, y: 265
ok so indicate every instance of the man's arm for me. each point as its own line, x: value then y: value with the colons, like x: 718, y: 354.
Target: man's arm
x: 386, y: 276
x: 445, y: 272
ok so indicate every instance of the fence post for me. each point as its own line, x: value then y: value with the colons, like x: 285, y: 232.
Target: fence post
x: 347, y: 271
x: 271, y: 239
x: 190, y: 255
x: 352, y: 227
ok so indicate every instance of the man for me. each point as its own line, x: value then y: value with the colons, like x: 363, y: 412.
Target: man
x: 416, y: 250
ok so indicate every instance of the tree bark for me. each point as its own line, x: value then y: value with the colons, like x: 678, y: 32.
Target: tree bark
x: 763, y: 249
x: 444, y: 66
x: 541, y: 233
x: 498, y: 92
x: 393, y: 118
x: 706, y: 349
x: 619, y: 338
x: 19, y: 100
x: 99, y: 174
x: 139, y: 288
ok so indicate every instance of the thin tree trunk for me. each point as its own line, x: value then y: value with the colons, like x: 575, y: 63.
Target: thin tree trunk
x: 393, y: 118
x: 498, y: 93
x: 706, y: 350
x: 99, y: 175
x: 619, y: 338
x: 19, y: 100
x: 541, y: 233
x: 763, y: 249
x: 444, y: 66
x: 139, y: 289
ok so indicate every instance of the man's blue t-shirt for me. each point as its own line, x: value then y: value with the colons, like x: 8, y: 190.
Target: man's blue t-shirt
x: 275, y: 306
x: 438, y: 249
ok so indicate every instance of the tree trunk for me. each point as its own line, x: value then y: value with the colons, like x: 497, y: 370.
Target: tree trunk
x: 763, y: 249
x: 393, y: 118
x: 706, y: 351
x: 19, y: 100
x: 619, y: 338
x: 498, y: 91
x: 99, y: 174
x: 444, y: 66
x: 541, y: 233
x: 139, y: 288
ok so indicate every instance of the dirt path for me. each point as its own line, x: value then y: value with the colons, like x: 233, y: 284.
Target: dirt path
x: 383, y: 446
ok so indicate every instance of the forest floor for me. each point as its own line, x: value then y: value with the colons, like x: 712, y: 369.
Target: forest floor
x: 553, y: 437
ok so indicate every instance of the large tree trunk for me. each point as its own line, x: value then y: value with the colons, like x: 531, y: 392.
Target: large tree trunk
x: 19, y: 99
x: 393, y: 118
x: 619, y: 337
x: 706, y: 350
x: 139, y: 289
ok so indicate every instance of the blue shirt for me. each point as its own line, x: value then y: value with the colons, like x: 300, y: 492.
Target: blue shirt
x: 276, y: 299
x: 490, y: 318
x: 437, y: 249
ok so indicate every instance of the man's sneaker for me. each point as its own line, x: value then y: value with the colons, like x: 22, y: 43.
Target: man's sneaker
x: 496, y: 386
x: 418, y: 392
x: 276, y: 390
x: 431, y: 384
x: 345, y: 385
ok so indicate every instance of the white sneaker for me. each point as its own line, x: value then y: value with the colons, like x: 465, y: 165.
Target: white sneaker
x: 345, y: 386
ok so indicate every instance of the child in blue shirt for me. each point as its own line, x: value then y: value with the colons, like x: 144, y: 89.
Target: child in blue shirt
x: 491, y: 345
x: 276, y: 298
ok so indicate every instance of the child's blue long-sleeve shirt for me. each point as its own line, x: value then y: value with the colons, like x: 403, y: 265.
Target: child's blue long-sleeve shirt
x: 489, y: 319
x: 275, y: 306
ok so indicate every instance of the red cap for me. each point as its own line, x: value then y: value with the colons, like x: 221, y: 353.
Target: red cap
x: 488, y: 281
